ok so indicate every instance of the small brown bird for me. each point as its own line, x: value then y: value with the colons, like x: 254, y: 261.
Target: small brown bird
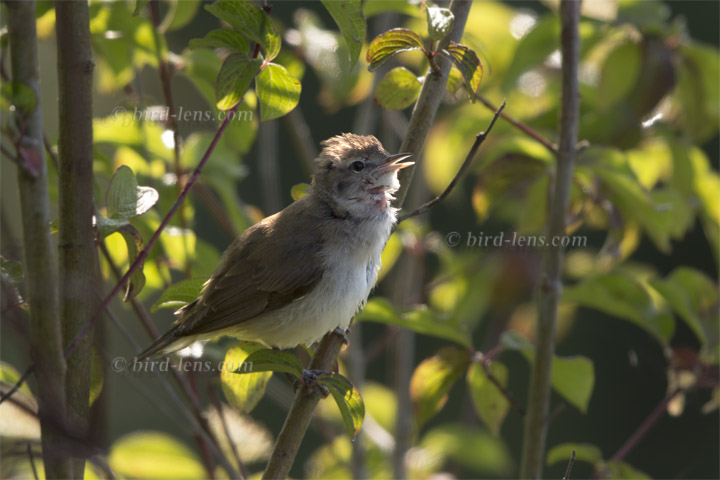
x: 308, y: 269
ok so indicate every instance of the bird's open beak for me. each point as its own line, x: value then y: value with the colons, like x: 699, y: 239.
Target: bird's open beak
x: 392, y: 162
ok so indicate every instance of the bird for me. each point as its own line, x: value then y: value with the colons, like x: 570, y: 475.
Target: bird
x: 308, y: 269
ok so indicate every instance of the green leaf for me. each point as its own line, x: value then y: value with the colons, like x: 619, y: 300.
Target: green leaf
x: 621, y: 296
x: 125, y: 199
x: 179, y: 294
x: 571, y: 377
x: 694, y: 297
x: 251, y: 21
x: 154, y: 456
x: 390, y: 254
x: 135, y: 245
x: 433, y: 378
x: 490, y: 403
x: 348, y: 400
x: 181, y: 13
x: 20, y: 96
x: 234, y: 79
x: 277, y: 91
x: 222, y: 38
x: 467, y: 61
x: 243, y: 391
x: 390, y: 43
x: 439, y: 21
x: 11, y: 271
x: 349, y: 18
x: 267, y: 360
x: 97, y: 376
x: 420, y: 320
x: 584, y: 452
x: 398, y: 89
x: 9, y: 376
x: 299, y: 190
x: 619, y: 75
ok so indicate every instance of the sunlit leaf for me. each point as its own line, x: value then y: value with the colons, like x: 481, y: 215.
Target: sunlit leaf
x: 179, y: 294
x: 277, y: 91
x: 439, y: 21
x: 348, y: 400
x: 420, y: 320
x: 15, y: 420
x: 237, y: 432
x: 299, y: 190
x: 154, y: 456
x: 234, y: 78
x: 467, y: 61
x: 267, y: 360
x: 251, y: 21
x: 349, y: 18
x: 376, y: 7
x: 125, y: 199
x: 181, y: 13
x: 490, y: 403
x: 398, y: 89
x: 433, y: 378
x: 222, y: 38
x: 390, y: 254
x: 390, y: 43
x: 243, y: 388
x: 584, y: 452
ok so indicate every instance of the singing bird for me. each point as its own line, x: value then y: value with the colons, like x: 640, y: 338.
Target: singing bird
x: 308, y: 269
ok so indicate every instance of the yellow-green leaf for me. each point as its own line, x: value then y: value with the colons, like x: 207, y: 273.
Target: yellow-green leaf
x: 349, y: 18
x: 242, y: 391
x: 234, y: 78
x: 154, y: 456
x: 277, y: 91
x: 398, y: 89
x: 179, y: 294
x: 467, y: 61
x: 348, y: 400
x: 251, y: 21
x: 222, y: 38
x: 490, y: 403
x: 584, y: 452
x: 267, y: 360
x: 390, y: 43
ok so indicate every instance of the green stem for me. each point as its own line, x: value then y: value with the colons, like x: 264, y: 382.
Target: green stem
x: 536, y: 421
x: 40, y: 261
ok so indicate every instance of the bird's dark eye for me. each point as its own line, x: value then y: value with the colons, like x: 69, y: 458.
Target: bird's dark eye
x: 357, y: 165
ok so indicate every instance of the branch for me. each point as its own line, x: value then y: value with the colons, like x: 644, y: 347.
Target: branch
x: 645, y: 427
x: 298, y: 418
x: 550, y: 288
x: 519, y: 125
x: 569, y: 468
x: 479, y: 139
x: 40, y: 261
x: 505, y: 392
x: 76, y: 236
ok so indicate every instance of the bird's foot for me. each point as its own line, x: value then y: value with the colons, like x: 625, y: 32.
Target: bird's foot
x: 344, y: 334
x: 310, y: 381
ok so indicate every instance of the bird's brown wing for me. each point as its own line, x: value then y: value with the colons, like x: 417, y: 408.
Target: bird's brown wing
x: 268, y: 267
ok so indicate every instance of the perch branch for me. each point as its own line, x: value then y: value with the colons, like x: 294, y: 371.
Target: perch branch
x: 550, y: 289
x: 569, y: 468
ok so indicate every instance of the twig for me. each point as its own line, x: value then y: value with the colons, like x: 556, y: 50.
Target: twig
x: 645, y: 427
x: 505, y: 392
x: 519, y: 125
x: 32, y: 461
x: 551, y: 283
x: 479, y: 139
x: 568, y: 470
x: 221, y: 413
x: 171, y: 124
x: 144, y: 253
x: 28, y: 371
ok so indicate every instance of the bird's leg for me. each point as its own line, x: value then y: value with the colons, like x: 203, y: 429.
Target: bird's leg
x: 344, y: 334
x: 310, y: 380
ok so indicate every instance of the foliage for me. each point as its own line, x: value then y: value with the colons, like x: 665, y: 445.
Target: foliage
x: 644, y: 192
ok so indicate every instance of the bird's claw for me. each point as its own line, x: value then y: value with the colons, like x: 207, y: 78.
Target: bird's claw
x: 344, y: 334
x: 310, y: 381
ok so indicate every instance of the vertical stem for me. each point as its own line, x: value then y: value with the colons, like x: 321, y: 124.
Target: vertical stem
x: 76, y: 238
x: 40, y: 261
x: 551, y: 283
x: 268, y: 166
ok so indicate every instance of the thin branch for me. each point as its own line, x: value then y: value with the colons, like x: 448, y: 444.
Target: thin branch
x: 569, y: 468
x: 28, y: 371
x: 550, y: 288
x: 645, y: 427
x: 505, y: 392
x: 32, y: 461
x: 479, y: 139
x: 519, y: 125
x: 144, y: 253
